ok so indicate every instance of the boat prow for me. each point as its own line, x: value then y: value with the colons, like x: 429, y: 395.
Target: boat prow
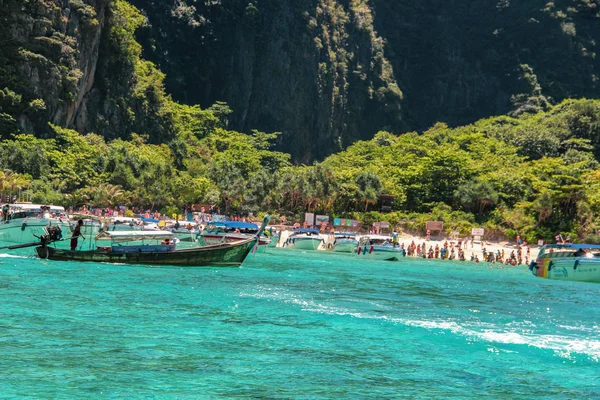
x: 568, y: 262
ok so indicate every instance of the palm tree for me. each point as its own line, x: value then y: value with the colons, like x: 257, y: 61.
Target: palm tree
x: 106, y: 194
x: 369, y: 188
x: 12, y: 181
x: 476, y: 196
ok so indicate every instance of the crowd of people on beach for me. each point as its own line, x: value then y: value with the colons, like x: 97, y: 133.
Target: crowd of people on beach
x: 452, y: 251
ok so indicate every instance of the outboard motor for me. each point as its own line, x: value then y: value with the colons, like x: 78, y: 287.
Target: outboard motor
x: 52, y: 234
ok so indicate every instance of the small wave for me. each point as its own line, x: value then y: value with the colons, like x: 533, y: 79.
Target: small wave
x: 11, y: 256
x: 563, y: 346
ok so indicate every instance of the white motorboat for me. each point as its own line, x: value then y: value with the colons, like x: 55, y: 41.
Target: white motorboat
x: 303, y: 239
x: 568, y: 262
x: 345, y: 242
x: 378, y: 247
x: 229, y: 232
x: 25, y: 222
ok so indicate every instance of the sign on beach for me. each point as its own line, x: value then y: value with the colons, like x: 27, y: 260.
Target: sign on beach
x: 309, y: 218
x: 477, y: 232
x: 435, y: 225
x: 381, y: 225
x: 345, y: 222
x: 322, y: 220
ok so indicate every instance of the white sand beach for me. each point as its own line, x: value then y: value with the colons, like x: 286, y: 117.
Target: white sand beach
x: 471, y: 249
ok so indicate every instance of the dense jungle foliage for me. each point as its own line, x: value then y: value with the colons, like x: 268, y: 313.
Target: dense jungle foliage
x: 534, y: 172
x: 535, y: 176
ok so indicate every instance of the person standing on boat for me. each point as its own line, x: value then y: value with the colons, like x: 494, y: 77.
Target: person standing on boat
x: 76, y: 235
x: 5, y: 210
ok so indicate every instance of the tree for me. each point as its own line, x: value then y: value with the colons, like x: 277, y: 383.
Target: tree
x: 476, y: 196
x: 368, y: 189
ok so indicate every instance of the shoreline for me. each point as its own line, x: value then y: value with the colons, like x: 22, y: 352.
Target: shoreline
x: 475, y: 249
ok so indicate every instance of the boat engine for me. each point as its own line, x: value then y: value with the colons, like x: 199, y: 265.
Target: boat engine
x: 52, y: 234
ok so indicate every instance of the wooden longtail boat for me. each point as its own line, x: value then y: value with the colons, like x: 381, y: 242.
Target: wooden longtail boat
x: 125, y: 248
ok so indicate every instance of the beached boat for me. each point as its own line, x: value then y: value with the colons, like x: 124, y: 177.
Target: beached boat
x: 150, y: 248
x: 378, y: 247
x: 568, y: 262
x: 25, y: 222
x: 229, y: 232
x: 345, y: 242
x: 303, y: 239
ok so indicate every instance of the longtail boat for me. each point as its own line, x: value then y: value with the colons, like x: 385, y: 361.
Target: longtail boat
x: 150, y: 248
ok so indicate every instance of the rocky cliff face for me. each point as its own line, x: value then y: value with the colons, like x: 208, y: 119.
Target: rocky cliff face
x: 324, y: 72
x: 459, y: 61
x: 74, y: 64
x: 50, y: 54
x: 329, y: 72
x: 313, y: 69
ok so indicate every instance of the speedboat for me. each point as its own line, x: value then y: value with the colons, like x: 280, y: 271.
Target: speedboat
x: 25, y: 222
x: 345, y: 242
x: 303, y: 239
x: 378, y: 247
x: 230, y: 232
x: 568, y: 262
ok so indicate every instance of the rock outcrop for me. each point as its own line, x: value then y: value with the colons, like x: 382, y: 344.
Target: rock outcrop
x: 326, y: 73
x: 76, y: 64
x: 50, y: 54
x: 329, y: 72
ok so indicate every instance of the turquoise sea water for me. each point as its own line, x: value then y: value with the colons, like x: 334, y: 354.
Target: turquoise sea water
x: 295, y: 325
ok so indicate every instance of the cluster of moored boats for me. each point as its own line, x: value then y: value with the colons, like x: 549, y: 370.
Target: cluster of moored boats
x: 226, y: 243
x: 375, y: 247
x: 566, y: 261
x: 128, y: 241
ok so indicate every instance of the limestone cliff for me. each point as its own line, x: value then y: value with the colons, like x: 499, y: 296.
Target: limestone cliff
x: 324, y: 72
x: 74, y: 64
x: 315, y: 70
x: 49, y: 54
x: 329, y: 72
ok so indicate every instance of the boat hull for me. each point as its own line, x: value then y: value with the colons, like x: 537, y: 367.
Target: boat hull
x: 383, y: 253
x: 580, y: 269
x: 222, y: 255
x: 345, y: 246
x: 303, y: 243
x: 28, y: 229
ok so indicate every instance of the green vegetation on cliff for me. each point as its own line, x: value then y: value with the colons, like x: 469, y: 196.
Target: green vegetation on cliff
x: 86, y: 120
x: 535, y: 175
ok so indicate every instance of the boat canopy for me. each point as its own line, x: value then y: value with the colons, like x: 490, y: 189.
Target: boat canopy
x: 130, y: 236
x: 345, y: 234
x: 572, y: 246
x: 306, y: 230
x: 236, y: 225
x: 377, y: 237
x: 122, y: 220
x: 35, y: 207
